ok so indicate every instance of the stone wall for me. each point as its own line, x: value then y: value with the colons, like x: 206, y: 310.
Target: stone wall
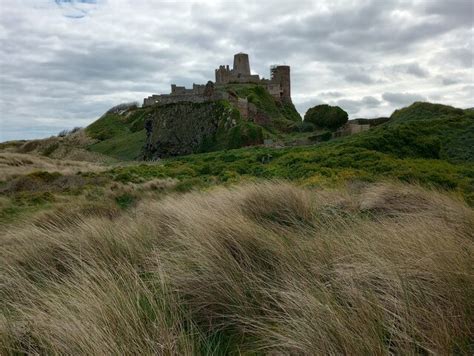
x: 351, y: 128
x: 199, y: 94
x: 171, y: 99
x: 281, y: 75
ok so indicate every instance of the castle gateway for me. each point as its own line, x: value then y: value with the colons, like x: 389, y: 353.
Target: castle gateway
x: 279, y: 84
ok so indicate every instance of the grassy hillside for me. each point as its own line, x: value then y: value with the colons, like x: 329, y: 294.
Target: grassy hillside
x: 424, y: 130
x: 360, y: 245
x: 429, y: 150
x: 121, y: 135
x: 125, y: 146
x: 283, y: 115
x: 398, y: 150
x: 256, y: 269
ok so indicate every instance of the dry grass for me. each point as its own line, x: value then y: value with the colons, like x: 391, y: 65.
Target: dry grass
x: 16, y: 164
x: 72, y: 147
x: 266, y: 267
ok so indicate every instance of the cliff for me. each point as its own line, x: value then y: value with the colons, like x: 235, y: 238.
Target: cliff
x: 185, y: 128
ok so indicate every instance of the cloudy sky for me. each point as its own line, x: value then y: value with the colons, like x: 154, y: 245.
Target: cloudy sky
x: 64, y: 62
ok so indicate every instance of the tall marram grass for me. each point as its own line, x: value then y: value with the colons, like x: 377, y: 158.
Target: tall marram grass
x: 266, y: 268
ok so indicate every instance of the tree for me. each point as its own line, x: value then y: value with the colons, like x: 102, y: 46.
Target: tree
x: 326, y: 116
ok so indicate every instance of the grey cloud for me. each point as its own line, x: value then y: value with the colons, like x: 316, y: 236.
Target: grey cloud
x: 449, y: 80
x: 359, y: 78
x: 402, y: 99
x: 57, y: 71
x: 458, y: 12
x: 353, y: 107
x: 370, y: 101
x: 331, y: 94
x: 459, y: 56
x: 302, y: 107
x: 413, y: 69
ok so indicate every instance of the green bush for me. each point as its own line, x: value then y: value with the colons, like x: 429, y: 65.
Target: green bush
x: 306, y: 126
x: 189, y: 184
x: 125, y: 200
x: 326, y: 116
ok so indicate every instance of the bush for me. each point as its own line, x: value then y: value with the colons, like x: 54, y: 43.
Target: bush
x: 324, y: 136
x: 325, y: 116
x: 306, y: 127
x: 125, y: 200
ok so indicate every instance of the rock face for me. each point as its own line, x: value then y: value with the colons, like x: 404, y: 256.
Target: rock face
x: 185, y: 128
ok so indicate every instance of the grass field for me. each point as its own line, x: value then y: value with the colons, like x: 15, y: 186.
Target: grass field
x: 258, y: 268
x: 360, y: 245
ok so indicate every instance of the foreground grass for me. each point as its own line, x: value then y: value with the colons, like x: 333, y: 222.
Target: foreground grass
x: 266, y: 268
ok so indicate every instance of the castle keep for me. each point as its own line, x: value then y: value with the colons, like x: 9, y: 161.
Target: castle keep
x: 279, y: 84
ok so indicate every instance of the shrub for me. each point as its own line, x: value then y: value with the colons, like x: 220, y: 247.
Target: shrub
x: 306, y: 126
x: 125, y: 200
x: 324, y: 136
x: 188, y: 184
x: 325, y: 116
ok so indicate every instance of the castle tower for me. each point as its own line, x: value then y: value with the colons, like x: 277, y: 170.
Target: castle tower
x: 241, y: 65
x: 281, y: 74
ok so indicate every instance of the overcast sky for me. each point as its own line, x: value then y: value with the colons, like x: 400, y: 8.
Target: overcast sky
x: 64, y: 62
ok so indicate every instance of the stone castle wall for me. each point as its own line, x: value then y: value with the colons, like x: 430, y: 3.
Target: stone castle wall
x: 278, y: 85
x: 179, y: 98
x: 198, y: 94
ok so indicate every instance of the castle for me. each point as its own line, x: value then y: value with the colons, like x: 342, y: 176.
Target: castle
x: 279, y: 84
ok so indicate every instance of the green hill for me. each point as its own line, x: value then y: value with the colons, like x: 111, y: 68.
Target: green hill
x: 252, y: 259
x: 424, y: 130
x: 426, y: 143
x: 121, y: 133
x: 429, y: 150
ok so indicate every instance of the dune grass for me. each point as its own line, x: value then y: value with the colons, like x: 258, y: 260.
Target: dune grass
x: 127, y: 146
x: 256, y: 268
x: 16, y: 164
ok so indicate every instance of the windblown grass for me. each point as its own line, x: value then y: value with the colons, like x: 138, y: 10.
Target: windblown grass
x: 266, y: 268
x: 16, y: 164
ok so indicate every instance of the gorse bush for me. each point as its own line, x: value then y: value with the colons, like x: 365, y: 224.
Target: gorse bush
x: 257, y: 268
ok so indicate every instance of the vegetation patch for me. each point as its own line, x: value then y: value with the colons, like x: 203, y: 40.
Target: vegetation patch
x: 268, y: 266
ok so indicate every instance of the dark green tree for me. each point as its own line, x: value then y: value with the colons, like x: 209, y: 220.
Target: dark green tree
x: 326, y: 116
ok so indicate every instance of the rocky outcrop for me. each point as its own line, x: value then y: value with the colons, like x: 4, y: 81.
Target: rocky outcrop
x: 185, y: 128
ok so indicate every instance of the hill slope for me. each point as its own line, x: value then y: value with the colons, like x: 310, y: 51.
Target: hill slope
x: 424, y: 130
x: 121, y: 133
x: 427, y: 151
